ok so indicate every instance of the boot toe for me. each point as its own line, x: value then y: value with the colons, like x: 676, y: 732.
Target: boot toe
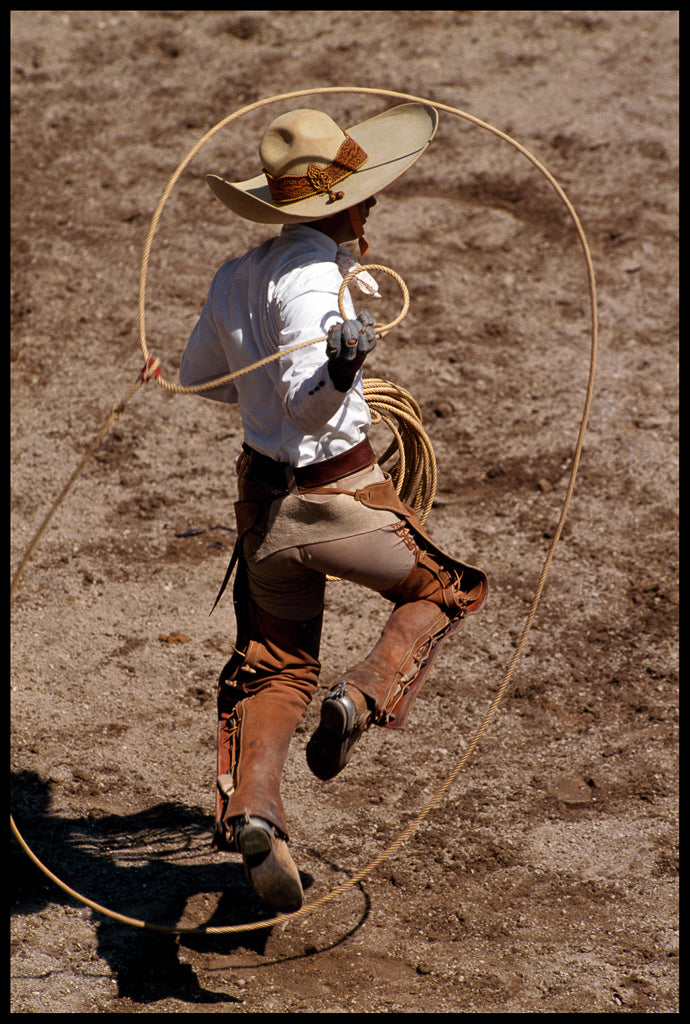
x: 253, y: 836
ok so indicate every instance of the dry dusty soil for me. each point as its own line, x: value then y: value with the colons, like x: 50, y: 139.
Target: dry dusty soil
x: 545, y: 879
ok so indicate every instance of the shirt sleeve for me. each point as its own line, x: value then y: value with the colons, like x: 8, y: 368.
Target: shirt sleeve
x: 204, y: 359
x: 307, y: 309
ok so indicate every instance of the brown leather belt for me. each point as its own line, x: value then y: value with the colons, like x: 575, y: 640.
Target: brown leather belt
x: 269, y: 471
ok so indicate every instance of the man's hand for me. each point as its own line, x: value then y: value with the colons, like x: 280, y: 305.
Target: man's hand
x: 348, y: 344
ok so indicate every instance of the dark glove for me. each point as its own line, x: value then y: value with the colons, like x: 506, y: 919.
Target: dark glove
x: 347, y: 345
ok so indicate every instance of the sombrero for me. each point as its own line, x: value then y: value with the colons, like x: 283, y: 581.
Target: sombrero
x: 312, y: 168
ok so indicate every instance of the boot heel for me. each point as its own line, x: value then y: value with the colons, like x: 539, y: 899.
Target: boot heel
x: 254, y: 838
x: 338, y: 715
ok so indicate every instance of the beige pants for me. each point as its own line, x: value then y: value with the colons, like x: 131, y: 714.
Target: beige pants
x: 304, y: 536
x: 291, y: 583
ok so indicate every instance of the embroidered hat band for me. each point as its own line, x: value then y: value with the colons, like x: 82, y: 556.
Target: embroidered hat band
x: 291, y: 187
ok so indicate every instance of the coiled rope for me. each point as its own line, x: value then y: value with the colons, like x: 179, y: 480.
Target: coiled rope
x: 152, y: 371
x: 414, y: 474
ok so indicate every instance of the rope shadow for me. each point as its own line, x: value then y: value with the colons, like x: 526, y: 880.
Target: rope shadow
x: 225, y: 945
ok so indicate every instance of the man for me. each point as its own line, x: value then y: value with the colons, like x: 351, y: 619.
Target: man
x: 313, y: 499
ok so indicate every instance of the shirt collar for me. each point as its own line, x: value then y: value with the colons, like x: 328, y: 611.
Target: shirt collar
x: 312, y: 236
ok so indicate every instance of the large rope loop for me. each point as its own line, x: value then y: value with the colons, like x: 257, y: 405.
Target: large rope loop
x: 398, y: 410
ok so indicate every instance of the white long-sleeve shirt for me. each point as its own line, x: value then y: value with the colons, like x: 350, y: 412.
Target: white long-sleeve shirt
x: 283, y: 292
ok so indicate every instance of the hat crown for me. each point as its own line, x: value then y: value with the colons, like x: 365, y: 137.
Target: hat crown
x: 298, y: 138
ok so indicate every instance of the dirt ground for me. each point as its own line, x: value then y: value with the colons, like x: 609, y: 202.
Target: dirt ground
x: 546, y: 880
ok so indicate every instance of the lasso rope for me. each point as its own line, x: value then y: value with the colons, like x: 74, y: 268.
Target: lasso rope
x: 389, y: 409
x: 414, y: 474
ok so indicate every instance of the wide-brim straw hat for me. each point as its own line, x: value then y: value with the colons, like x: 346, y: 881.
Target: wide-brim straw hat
x: 312, y: 168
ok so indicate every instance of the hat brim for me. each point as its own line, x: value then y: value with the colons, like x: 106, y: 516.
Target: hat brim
x: 393, y: 140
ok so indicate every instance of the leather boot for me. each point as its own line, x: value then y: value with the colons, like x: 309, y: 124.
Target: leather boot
x: 261, y: 701
x: 430, y: 606
x: 431, y: 580
x: 387, y: 680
